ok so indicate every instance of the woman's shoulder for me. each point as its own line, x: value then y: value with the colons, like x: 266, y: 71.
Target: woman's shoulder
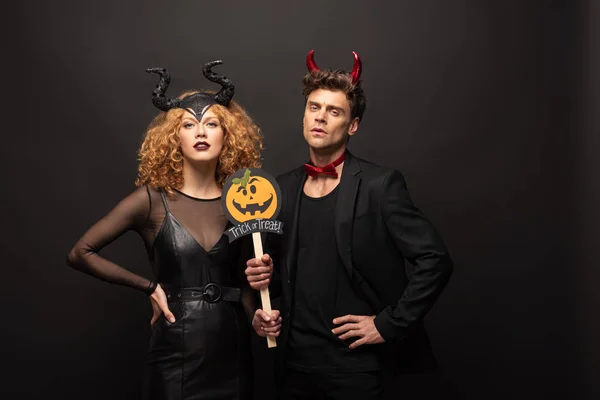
x: 150, y: 194
x: 144, y: 197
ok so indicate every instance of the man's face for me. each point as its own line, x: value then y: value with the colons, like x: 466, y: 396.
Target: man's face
x: 327, y: 123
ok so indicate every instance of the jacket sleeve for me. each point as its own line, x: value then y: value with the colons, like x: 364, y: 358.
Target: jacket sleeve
x: 422, y: 246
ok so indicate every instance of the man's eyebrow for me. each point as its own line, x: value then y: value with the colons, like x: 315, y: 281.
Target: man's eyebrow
x: 328, y: 107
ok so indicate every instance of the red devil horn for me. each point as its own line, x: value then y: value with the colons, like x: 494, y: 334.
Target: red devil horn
x: 310, y: 62
x: 356, y: 69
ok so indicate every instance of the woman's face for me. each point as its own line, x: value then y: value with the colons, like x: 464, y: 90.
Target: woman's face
x: 201, y: 141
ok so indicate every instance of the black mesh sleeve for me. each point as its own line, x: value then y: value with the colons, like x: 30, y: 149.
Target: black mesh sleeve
x: 131, y: 213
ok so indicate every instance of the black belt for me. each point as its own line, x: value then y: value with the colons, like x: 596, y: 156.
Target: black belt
x: 211, y: 293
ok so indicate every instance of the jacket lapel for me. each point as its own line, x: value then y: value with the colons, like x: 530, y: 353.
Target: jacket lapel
x: 295, y: 193
x: 344, y: 210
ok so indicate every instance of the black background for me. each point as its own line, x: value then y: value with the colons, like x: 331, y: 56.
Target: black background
x: 489, y: 108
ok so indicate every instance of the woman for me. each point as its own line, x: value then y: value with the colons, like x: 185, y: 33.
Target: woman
x: 200, y: 343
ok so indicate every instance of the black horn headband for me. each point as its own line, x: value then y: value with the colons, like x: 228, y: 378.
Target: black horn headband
x: 196, y: 103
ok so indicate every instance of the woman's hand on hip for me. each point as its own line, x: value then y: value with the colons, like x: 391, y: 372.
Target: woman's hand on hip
x: 158, y: 298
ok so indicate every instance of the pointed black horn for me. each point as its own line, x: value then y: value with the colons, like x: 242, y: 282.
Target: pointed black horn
x: 227, y: 88
x: 158, y: 95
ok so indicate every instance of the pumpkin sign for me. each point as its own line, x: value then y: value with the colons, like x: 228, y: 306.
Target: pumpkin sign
x: 251, y: 194
x: 251, y: 200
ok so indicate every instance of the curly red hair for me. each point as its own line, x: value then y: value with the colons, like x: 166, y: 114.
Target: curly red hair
x: 161, y: 159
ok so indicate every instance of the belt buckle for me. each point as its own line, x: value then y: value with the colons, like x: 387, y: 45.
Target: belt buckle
x: 210, y: 297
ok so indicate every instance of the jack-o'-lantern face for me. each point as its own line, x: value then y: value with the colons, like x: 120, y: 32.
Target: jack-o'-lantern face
x: 251, y: 197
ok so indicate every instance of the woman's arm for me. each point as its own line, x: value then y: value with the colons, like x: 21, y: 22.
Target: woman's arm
x: 130, y: 214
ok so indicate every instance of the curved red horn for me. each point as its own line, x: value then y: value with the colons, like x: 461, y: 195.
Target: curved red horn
x: 356, y: 69
x: 310, y: 62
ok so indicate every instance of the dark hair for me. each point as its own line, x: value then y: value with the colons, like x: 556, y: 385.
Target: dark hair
x: 337, y: 80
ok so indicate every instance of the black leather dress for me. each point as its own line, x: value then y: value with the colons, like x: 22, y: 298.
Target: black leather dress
x: 205, y: 353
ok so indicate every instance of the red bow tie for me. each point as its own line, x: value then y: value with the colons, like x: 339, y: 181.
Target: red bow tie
x: 329, y: 169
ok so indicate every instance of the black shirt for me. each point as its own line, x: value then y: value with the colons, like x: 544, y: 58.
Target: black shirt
x: 323, y: 291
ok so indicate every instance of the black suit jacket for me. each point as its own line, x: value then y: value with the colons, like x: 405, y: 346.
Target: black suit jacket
x: 377, y: 228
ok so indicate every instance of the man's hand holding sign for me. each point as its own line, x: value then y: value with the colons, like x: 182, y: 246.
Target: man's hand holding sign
x: 252, y: 200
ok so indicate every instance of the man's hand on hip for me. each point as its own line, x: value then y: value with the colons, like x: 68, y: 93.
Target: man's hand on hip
x: 361, y: 326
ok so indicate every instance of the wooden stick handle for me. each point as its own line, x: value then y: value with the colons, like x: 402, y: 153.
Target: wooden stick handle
x: 264, y: 293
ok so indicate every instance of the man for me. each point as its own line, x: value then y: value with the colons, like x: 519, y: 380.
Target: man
x: 351, y: 312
